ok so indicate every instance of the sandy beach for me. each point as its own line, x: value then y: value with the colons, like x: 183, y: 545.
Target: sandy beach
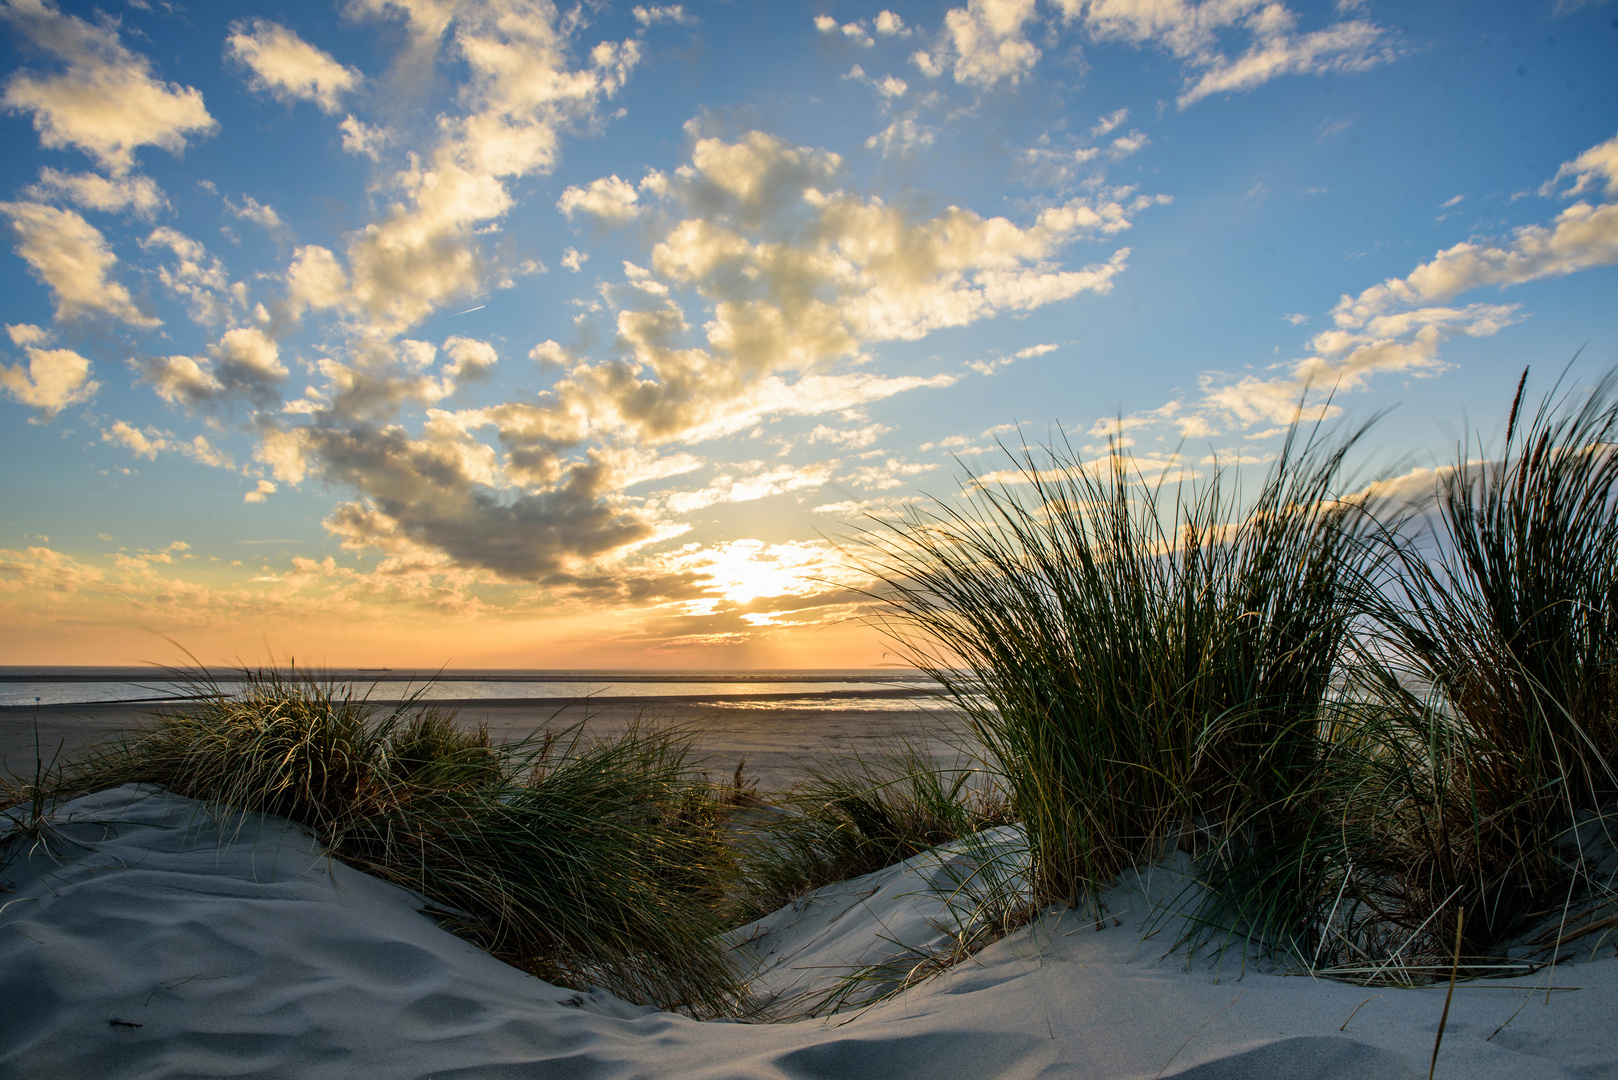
x: 160, y: 942
x: 773, y: 739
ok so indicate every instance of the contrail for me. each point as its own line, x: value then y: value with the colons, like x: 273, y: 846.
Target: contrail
x: 469, y: 310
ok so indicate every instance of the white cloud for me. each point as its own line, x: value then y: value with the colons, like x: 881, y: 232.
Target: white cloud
x: 260, y: 214
x: 180, y: 380
x: 468, y: 356
x: 892, y: 473
x: 612, y: 200
x: 286, y: 452
x: 39, y: 571
x: 198, y: 277
x: 288, y: 67
x: 523, y: 91
x: 244, y: 364
x: 854, y: 31
x: 1118, y: 427
x: 71, y: 256
x: 264, y: 490
x: 1109, y: 123
x: 205, y: 453
x: 851, y: 438
x: 362, y: 138
x: 891, y: 507
x: 1124, y: 145
x: 1191, y: 33
x: 1330, y: 128
x: 1355, y: 46
x: 315, y: 279
x: 1064, y: 167
x: 53, y: 380
x: 870, y: 272
x: 549, y: 352
x: 135, y: 193
x: 989, y: 367
x: 650, y: 15
x: 574, y: 259
x: 758, y: 171
x: 105, y: 101
x: 984, y: 42
x: 926, y: 64
x: 149, y: 442
x: 1596, y: 167
x: 890, y: 25
x: 1400, y: 324
x: 786, y: 277
x: 248, y: 355
x: 786, y: 295
x: 143, y: 444
x: 1344, y: 361
x: 758, y: 485
x: 902, y: 136
x: 27, y: 334
x: 1579, y: 238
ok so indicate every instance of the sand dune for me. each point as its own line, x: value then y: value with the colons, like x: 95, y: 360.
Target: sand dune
x: 160, y: 942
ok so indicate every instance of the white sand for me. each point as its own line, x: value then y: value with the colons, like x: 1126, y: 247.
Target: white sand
x: 245, y: 953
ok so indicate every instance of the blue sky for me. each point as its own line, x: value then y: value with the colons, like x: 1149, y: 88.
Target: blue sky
x: 492, y: 332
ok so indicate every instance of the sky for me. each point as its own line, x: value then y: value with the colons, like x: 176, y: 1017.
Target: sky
x: 500, y: 333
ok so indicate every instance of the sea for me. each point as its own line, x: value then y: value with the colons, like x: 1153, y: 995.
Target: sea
x: 876, y: 689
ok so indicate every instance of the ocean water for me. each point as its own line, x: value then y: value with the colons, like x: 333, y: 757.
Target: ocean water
x: 873, y: 688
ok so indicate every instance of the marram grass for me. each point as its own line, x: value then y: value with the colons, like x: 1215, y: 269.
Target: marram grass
x: 1359, y: 717
x: 1496, y: 671
x: 588, y: 863
x: 858, y: 813
x: 1142, y: 664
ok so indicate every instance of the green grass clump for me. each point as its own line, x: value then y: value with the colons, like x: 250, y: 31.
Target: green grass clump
x: 1137, y: 669
x: 588, y: 863
x: 859, y: 813
x: 1498, y: 669
x: 1355, y: 725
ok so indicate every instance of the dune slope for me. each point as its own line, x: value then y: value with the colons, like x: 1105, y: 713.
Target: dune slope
x: 160, y: 942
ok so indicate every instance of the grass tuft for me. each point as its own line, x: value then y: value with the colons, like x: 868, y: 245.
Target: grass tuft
x: 1497, y: 672
x: 857, y: 814
x: 1143, y: 663
x: 589, y: 863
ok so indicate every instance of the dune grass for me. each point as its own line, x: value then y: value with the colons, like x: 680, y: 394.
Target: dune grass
x: 1359, y: 717
x: 1497, y: 670
x: 1141, y: 662
x: 588, y: 863
x: 858, y: 813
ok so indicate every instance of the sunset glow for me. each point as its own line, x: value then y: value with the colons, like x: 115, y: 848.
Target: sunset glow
x: 502, y: 333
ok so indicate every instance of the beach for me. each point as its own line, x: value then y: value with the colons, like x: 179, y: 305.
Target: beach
x: 773, y: 734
